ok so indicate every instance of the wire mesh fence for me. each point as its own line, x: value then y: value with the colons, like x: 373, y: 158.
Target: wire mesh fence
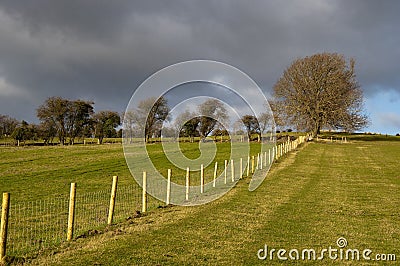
x: 36, y: 225
x: 42, y: 224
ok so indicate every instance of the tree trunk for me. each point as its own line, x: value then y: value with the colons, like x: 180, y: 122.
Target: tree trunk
x: 317, y: 129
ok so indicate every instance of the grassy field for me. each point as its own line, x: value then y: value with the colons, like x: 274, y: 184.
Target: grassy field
x: 33, y: 173
x: 310, y: 198
x: 39, y: 178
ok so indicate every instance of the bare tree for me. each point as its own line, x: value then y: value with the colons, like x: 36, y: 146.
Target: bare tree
x: 53, y: 113
x: 64, y: 117
x: 265, y: 121
x: 7, y: 125
x: 130, y: 127
x: 47, y: 132
x: 279, y: 114
x: 252, y: 125
x: 105, y: 123
x: 321, y: 91
x: 78, y: 116
x: 25, y: 131
x: 211, y: 112
x: 187, y: 124
x: 150, y: 114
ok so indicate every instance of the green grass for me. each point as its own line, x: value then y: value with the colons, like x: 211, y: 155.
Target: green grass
x: 309, y: 200
x: 359, y: 136
x: 40, y: 177
x: 32, y: 173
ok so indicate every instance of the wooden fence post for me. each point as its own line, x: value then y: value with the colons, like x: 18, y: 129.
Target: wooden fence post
x: 252, y: 164
x: 112, y: 200
x: 258, y: 161
x: 202, y: 178
x: 187, y: 182
x: 215, y: 173
x: 4, y: 224
x: 261, y: 161
x: 248, y: 166
x: 225, y: 171
x: 71, y: 212
x: 232, y: 171
x: 241, y: 168
x: 269, y: 156
x: 265, y: 159
x: 168, y: 187
x: 144, y: 194
x: 273, y: 153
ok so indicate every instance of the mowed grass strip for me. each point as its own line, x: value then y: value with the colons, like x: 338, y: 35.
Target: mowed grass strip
x: 309, y: 200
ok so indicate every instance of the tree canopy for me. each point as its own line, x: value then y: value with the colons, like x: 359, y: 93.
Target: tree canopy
x: 7, y: 125
x: 320, y: 91
x: 209, y: 116
x: 65, y: 117
x: 252, y: 125
x: 186, y: 124
x: 211, y: 113
x: 148, y: 117
x: 104, y: 123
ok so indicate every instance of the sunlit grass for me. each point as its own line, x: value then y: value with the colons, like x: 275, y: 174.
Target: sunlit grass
x: 309, y: 200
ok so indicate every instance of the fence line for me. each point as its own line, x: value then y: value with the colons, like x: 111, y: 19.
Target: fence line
x: 42, y: 224
x: 36, y: 225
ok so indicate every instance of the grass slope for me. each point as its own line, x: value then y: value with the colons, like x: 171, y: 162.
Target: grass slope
x: 309, y: 200
x: 33, y: 173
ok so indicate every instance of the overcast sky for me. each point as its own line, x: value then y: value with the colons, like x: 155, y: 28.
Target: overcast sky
x: 102, y: 50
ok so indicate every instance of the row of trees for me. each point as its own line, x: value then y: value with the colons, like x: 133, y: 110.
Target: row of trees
x: 315, y: 92
x: 150, y: 114
x: 68, y: 119
x: 206, y: 120
x: 209, y: 119
x: 65, y: 119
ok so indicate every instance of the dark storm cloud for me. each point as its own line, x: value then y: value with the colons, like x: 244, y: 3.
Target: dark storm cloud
x: 102, y: 50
